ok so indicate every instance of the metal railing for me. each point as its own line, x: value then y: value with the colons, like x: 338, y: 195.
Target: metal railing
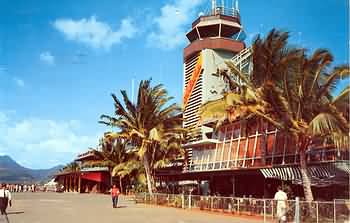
x: 220, y: 10
x: 217, y: 12
x: 297, y: 211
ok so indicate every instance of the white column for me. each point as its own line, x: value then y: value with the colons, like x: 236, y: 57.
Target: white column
x: 229, y: 151
x: 255, y: 142
x: 223, y: 148
x: 202, y: 160
x: 245, y: 150
x: 198, y: 33
x: 216, y: 151
x: 207, y: 167
x: 284, y: 149
x: 237, y: 150
x: 274, y: 147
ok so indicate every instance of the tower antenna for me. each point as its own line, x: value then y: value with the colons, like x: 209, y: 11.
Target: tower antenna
x: 213, y: 6
x: 237, y: 8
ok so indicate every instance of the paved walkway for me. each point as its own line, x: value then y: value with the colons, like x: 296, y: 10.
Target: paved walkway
x: 92, y: 208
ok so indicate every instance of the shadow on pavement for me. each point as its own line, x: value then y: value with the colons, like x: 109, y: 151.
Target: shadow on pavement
x: 15, y: 212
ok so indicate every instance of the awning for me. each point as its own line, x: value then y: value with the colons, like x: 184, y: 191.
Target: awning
x: 322, y: 175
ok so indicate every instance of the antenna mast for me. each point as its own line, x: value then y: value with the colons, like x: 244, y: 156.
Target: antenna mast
x: 213, y: 6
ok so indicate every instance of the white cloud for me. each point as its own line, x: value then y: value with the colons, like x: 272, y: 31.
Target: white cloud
x: 172, y: 23
x: 47, y: 58
x: 39, y: 141
x: 18, y: 81
x: 94, y: 33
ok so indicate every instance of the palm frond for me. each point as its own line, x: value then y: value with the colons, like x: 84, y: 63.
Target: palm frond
x: 235, y: 72
x: 108, y: 120
x: 126, y: 168
x: 213, y: 110
x: 341, y: 141
x: 325, y: 124
x: 337, y: 74
x: 162, y: 163
x: 342, y: 97
x: 321, y: 58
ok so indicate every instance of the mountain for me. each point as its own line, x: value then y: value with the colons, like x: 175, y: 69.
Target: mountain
x: 12, y: 172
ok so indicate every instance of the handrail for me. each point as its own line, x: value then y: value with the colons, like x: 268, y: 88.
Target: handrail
x: 264, y: 208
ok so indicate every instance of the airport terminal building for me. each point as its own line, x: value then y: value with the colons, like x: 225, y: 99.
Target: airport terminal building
x: 86, y: 179
x: 233, y: 160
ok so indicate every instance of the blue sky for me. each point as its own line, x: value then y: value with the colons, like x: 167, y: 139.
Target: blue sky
x: 60, y: 60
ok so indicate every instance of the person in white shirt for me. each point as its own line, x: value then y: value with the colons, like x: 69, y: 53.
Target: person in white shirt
x: 281, y: 198
x: 5, y: 200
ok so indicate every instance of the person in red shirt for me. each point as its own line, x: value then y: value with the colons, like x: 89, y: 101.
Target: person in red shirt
x: 115, y: 193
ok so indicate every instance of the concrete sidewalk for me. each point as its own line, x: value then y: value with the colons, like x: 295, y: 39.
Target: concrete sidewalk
x: 96, y: 208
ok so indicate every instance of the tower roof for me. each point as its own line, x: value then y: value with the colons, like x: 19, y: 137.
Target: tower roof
x: 221, y: 21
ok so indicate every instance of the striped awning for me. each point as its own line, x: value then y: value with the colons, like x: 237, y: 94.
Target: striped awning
x: 320, y: 175
x: 282, y: 173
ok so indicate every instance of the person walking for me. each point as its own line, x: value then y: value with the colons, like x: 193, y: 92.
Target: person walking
x: 115, y: 193
x: 5, y: 200
x: 281, y: 198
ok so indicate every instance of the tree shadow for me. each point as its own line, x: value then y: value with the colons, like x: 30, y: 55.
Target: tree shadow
x: 122, y: 206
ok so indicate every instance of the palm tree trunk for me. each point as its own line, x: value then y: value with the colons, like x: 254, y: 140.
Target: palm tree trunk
x: 121, y: 184
x: 305, y: 177
x: 263, y: 141
x: 148, y: 173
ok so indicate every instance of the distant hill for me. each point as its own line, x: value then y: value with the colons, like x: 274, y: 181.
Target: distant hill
x: 12, y: 172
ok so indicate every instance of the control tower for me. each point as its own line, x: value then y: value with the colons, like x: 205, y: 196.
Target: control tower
x: 214, y: 38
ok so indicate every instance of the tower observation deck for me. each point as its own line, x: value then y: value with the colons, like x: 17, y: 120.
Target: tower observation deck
x: 217, y: 29
x: 214, y: 37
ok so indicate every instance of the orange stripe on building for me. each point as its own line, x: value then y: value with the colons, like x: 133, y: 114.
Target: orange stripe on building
x: 193, y: 81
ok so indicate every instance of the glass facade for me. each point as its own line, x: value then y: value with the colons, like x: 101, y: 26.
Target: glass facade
x: 255, y: 147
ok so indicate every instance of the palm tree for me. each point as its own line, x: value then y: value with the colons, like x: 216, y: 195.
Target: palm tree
x: 121, y: 161
x: 310, y: 110
x: 293, y: 92
x: 113, y: 153
x: 71, y: 167
x: 147, y: 123
x: 131, y: 169
x: 243, y: 100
